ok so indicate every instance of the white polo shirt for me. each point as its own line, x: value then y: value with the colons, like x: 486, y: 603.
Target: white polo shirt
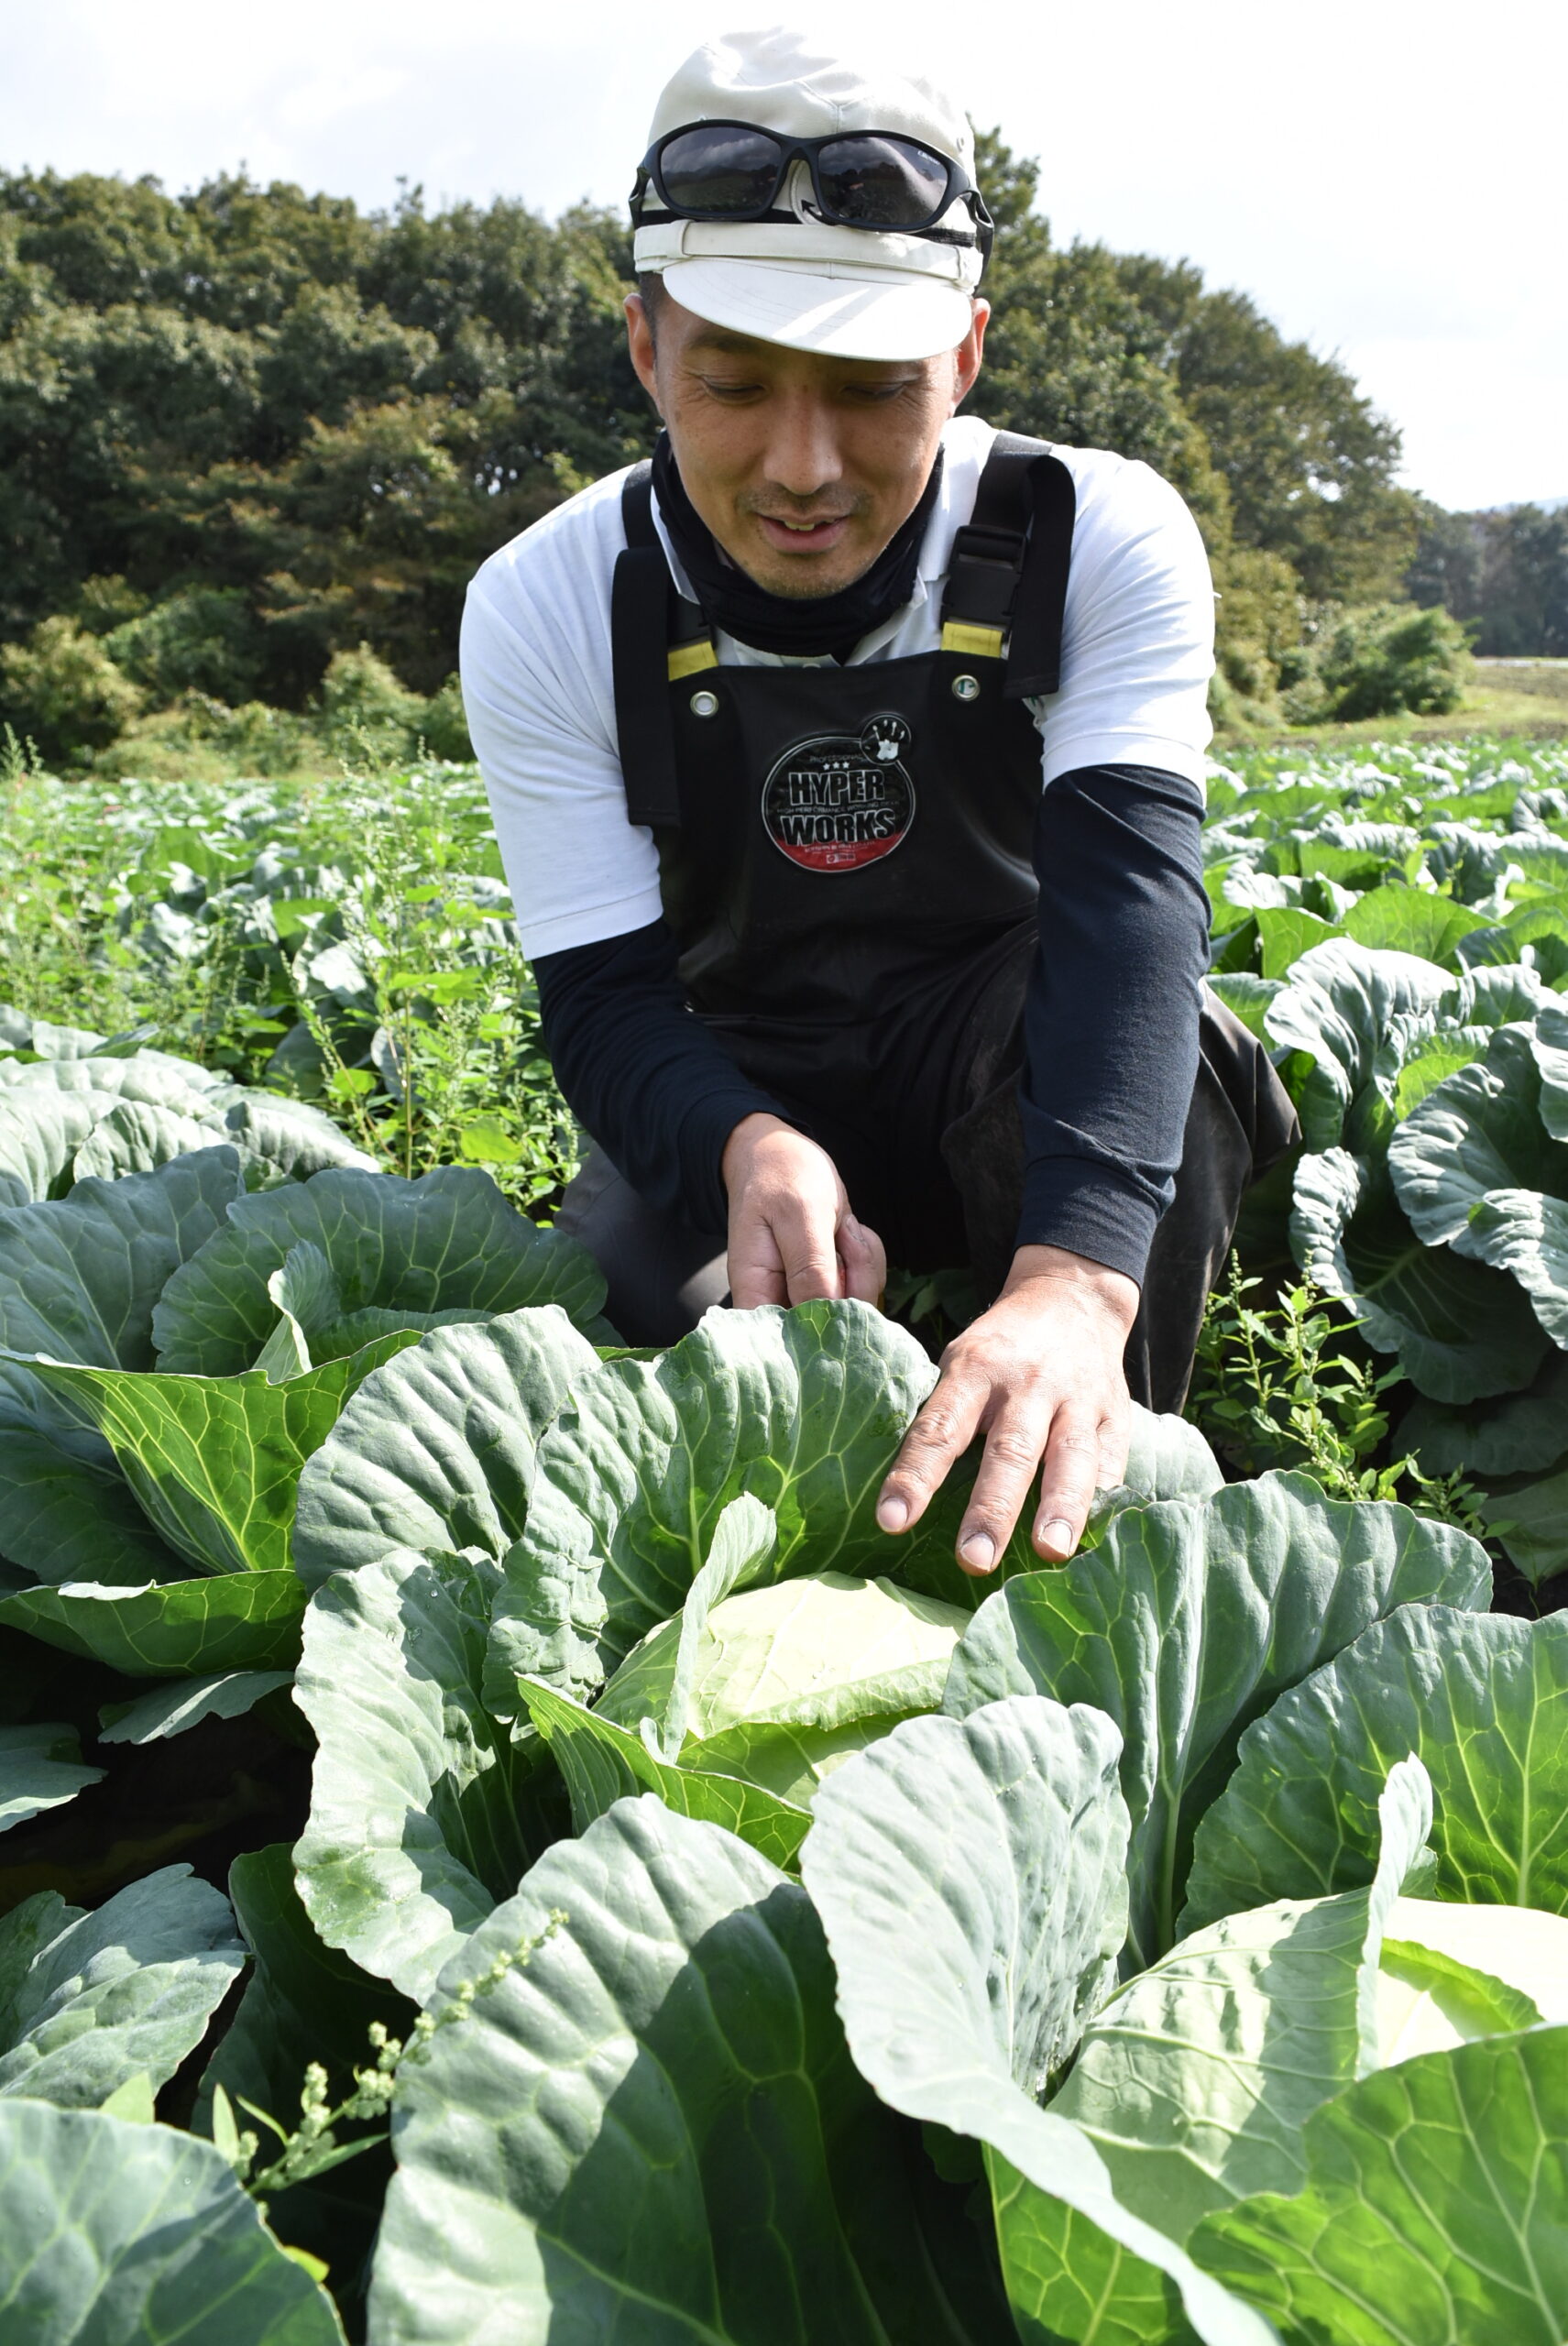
x: 1137, y: 654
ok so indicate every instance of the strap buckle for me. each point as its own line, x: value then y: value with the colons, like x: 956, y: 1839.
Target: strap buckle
x: 982, y: 577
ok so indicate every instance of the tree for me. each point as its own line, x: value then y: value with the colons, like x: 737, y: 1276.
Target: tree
x: 1505, y: 573
x: 1286, y: 468
x: 251, y: 392
x: 245, y: 430
x: 1309, y: 462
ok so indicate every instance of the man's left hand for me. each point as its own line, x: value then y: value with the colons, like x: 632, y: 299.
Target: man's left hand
x: 1040, y: 1374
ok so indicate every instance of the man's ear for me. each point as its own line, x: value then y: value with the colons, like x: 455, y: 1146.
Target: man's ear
x: 966, y: 356
x: 640, y: 343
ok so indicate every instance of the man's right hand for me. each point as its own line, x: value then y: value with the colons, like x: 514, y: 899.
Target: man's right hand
x: 792, y: 1235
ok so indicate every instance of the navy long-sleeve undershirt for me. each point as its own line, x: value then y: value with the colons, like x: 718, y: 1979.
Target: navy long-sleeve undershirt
x: 1110, y: 1012
x: 1111, y: 1029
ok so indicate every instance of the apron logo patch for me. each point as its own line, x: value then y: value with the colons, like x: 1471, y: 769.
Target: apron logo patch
x: 839, y: 801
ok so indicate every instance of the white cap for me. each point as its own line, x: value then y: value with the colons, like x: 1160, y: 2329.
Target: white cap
x: 848, y: 292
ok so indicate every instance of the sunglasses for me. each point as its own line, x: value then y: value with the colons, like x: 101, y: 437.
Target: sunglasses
x: 861, y: 179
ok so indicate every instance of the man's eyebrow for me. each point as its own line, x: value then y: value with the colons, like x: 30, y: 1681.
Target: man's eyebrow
x: 729, y: 344
x: 743, y: 345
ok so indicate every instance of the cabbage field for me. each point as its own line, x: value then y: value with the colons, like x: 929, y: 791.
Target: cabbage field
x: 500, y: 1848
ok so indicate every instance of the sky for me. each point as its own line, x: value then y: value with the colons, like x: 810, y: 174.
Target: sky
x: 1385, y: 180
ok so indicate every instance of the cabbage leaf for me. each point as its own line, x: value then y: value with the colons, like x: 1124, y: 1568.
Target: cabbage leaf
x: 1482, y: 1699
x: 667, y: 2075
x: 1184, y: 1626
x: 111, y: 2231
x: 447, y: 1240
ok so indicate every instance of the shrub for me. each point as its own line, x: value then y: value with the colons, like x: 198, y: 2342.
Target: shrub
x: 444, y: 724
x: 61, y: 690
x: 1230, y: 711
x: 1380, y: 662
x: 1257, y: 625
x: 104, y: 603
x: 202, y: 640
x: 364, y: 708
x: 1303, y: 695
x: 201, y: 736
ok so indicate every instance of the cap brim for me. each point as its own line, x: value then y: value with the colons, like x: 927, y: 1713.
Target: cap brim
x: 843, y: 314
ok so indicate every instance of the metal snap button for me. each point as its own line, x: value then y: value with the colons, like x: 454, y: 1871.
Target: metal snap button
x: 705, y: 703
x: 966, y: 687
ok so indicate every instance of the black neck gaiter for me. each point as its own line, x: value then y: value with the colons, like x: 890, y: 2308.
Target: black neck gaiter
x: 813, y: 624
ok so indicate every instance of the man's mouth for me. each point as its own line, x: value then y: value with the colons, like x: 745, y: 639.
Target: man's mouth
x: 803, y: 537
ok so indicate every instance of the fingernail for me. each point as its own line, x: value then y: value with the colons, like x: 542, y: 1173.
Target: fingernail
x: 893, y: 1514
x: 1058, y: 1533
x: 979, y: 1551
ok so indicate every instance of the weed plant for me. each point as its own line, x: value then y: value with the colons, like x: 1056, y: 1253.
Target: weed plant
x: 316, y: 2143
x: 435, y: 1057
x: 346, y: 939
x: 1291, y: 1384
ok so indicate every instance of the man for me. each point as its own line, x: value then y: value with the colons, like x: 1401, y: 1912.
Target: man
x: 848, y: 773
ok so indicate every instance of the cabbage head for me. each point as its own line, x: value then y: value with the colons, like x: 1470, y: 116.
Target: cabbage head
x: 789, y: 1680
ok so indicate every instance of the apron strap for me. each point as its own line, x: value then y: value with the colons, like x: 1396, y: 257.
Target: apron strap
x: 1005, y: 596
x: 1006, y: 588
x: 656, y: 636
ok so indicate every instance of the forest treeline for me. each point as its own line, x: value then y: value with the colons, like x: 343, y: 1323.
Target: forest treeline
x: 1505, y: 573
x: 245, y: 432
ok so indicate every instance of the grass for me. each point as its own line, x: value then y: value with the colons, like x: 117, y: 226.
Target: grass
x: 1540, y: 679
x: 1519, y: 700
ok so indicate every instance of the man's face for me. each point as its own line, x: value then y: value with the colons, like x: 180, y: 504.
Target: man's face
x: 801, y: 466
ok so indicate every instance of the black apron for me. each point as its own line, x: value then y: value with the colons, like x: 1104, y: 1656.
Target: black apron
x: 845, y: 859
x: 845, y: 853
x: 830, y: 839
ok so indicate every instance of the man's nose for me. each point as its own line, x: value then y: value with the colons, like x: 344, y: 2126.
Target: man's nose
x: 802, y: 452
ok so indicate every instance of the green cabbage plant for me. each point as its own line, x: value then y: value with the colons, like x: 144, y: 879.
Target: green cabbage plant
x: 173, y: 1350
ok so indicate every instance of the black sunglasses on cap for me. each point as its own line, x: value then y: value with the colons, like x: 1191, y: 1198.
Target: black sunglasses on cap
x: 876, y: 180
